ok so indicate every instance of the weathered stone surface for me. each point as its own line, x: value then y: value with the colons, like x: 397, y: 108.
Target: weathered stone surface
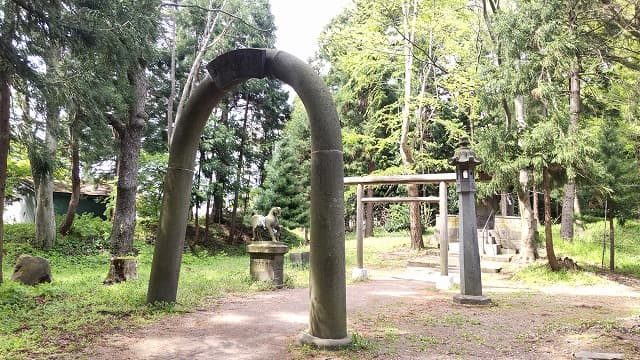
x: 31, y: 270
x: 267, y: 261
x: 471, y: 300
x: 321, y: 343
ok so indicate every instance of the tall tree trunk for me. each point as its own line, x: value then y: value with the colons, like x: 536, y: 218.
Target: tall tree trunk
x: 45, y: 217
x: 5, y: 103
x: 548, y: 235
x: 65, y: 228
x: 130, y: 134
x: 239, y: 171
x: 528, y: 252
x: 410, y: 14
x: 566, y: 226
x: 612, y: 247
x: 218, y: 203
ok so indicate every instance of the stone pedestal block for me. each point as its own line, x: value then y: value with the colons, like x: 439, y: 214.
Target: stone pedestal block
x: 480, y: 300
x: 267, y: 261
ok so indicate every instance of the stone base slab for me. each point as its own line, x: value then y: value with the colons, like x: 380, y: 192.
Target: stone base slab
x: 326, y: 344
x: 474, y: 300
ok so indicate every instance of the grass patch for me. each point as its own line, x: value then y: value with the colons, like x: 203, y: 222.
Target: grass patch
x: 587, y: 249
x: 65, y: 315
x: 541, y: 274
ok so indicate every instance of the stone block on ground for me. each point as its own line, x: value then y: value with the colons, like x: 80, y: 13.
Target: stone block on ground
x: 31, y: 270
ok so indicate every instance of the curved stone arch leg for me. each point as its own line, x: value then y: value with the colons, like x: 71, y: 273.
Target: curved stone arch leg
x: 327, y: 312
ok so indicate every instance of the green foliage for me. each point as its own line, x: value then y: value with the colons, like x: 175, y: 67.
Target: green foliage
x: 541, y: 274
x: 587, y: 249
x: 287, y: 182
x: 397, y: 218
x: 152, y: 170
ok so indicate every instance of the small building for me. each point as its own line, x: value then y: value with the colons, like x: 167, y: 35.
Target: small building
x: 22, y: 208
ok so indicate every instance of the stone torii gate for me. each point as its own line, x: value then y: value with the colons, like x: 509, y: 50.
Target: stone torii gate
x: 441, y: 179
x: 327, y: 312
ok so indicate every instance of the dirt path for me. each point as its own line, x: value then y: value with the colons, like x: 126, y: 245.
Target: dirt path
x: 400, y: 316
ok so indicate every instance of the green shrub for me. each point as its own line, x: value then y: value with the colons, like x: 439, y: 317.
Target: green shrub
x: 397, y: 218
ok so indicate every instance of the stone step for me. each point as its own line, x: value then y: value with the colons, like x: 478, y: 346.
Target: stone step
x: 489, y: 249
x: 502, y: 258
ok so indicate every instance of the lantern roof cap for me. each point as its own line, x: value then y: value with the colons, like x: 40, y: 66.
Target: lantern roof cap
x: 464, y: 155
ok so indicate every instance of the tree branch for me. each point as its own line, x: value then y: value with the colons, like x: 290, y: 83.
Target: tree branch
x: 217, y: 10
x: 117, y: 125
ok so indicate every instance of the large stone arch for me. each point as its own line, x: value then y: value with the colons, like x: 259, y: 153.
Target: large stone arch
x: 327, y: 313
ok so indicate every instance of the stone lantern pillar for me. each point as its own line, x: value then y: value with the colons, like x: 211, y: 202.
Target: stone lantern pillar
x: 465, y: 161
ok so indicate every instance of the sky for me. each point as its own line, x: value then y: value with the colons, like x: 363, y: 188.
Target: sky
x: 300, y: 22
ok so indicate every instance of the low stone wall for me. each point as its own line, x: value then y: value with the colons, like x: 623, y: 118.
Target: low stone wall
x: 507, y: 230
x: 452, y: 227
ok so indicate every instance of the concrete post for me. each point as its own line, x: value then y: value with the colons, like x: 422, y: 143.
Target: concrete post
x: 327, y: 318
x: 465, y: 161
x: 359, y: 273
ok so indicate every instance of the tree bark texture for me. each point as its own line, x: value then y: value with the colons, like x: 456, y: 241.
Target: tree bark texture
x: 45, y: 217
x: 528, y: 252
x: 548, y: 235
x: 5, y: 97
x: 121, y: 269
x: 566, y: 224
x: 65, y: 228
x: 414, y: 217
x: 130, y: 134
x: 575, y: 107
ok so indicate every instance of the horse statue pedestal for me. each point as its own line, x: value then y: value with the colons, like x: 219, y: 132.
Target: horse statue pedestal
x: 267, y: 261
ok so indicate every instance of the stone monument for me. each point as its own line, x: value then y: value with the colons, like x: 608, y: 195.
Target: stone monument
x: 267, y: 257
